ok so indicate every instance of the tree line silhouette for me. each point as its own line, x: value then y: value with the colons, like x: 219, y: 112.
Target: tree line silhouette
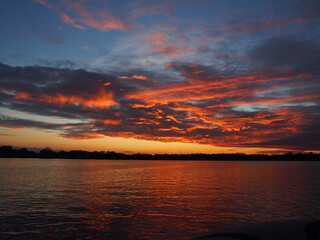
x: 10, y: 152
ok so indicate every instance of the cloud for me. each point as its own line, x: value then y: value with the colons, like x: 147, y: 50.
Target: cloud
x: 171, y: 45
x: 78, y: 15
x: 287, y: 52
x: 56, y: 87
x: 6, y: 135
x: 87, y: 47
x: 208, y: 107
x: 44, y: 2
x: 153, y: 9
x: 277, y: 18
x: 68, y: 20
x: 101, y: 20
x: 140, y: 77
x: 55, y: 63
x: 11, y: 122
x: 43, y: 62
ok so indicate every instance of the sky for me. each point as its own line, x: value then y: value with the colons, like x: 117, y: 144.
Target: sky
x: 171, y: 76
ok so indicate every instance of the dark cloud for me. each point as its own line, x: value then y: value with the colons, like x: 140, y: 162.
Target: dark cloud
x: 208, y: 107
x: 56, y: 63
x: 44, y: 63
x: 23, y: 123
x: 307, y: 138
x: 308, y: 9
x: 287, y: 53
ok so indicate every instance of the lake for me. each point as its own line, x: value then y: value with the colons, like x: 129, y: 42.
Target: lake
x: 129, y: 199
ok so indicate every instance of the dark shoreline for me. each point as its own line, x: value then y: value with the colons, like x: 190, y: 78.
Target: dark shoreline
x: 10, y: 152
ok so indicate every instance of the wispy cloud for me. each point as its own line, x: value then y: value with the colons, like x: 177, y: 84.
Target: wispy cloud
x: 87, y: 47
x: 44, y: 2
x: 68, y: 20
x: 78, y: 15
x: 147, y: 8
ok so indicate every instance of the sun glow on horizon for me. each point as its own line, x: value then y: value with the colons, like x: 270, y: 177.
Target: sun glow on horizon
x: 32, y: 138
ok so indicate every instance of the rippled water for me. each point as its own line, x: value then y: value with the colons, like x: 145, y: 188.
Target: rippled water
x: 96, y: 199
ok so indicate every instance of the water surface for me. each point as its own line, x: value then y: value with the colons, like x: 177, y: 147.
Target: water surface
x: 129, y: 199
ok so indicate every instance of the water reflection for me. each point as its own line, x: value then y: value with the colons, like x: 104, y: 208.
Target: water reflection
x: 95, y: 199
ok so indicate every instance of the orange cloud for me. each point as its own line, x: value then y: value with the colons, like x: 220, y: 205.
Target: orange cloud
x: 79, y: 16
x: 98, y: 19
x: 66, y: 19
x: 140, y: 77
x: 22, y: 96
x: 101, y: 100
x: 111, y: 122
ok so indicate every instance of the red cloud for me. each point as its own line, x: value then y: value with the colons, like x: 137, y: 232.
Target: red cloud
x: 66, y: 19
x: 79, y: 16
x: 167, y: 45
x: 101, y: 99
x: 99, y: 19
x: 44, y: 2
x: 140, y: 77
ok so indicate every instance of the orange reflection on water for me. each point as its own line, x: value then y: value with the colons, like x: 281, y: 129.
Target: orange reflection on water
x: 152, y: 199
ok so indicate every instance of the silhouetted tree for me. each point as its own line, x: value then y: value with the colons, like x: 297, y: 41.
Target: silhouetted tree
x: 6, y: 151
x: 47, y: 153
x: 9, y: 152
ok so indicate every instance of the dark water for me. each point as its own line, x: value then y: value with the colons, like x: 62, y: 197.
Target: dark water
x: 92, y: 199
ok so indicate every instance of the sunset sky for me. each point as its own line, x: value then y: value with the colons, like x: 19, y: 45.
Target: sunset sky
x: 165, y: 76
